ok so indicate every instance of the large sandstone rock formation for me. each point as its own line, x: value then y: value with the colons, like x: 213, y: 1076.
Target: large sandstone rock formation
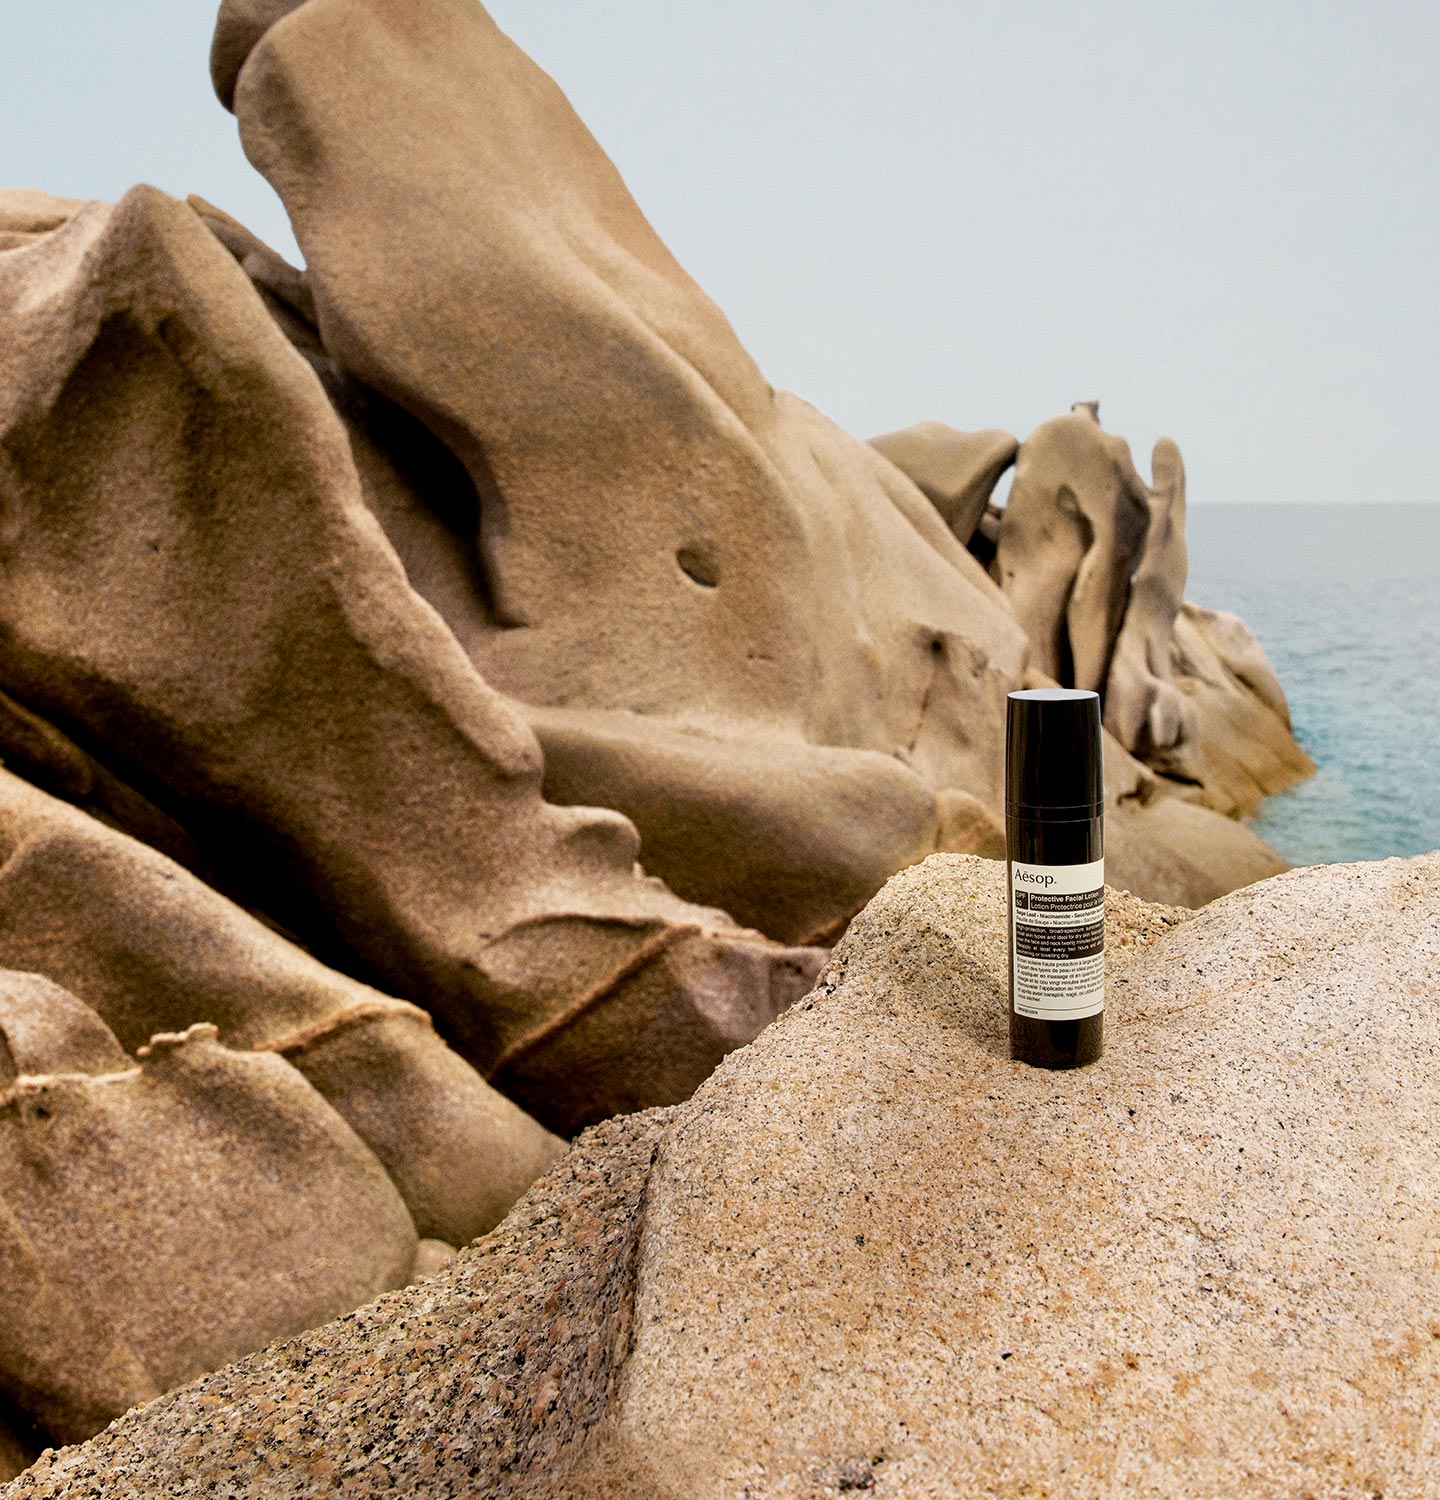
x: 721, y: 615
x: 875, y: 1254
x: 1094, y: 563
x: 195, y: 589
x: 724, y: 616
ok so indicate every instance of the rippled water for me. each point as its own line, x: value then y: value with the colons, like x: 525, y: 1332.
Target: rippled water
x: 1346, y: 601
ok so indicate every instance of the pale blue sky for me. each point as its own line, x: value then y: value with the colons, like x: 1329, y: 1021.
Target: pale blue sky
x: 1221, y: 219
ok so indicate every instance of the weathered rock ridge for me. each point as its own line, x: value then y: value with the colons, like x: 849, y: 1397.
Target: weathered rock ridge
x: 872, y: 1253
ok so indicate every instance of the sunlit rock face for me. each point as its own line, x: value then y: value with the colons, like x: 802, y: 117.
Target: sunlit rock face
x: 720, y: 614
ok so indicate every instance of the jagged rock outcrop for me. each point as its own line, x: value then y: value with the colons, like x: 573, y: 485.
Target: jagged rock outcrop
x: 956, y: 471
x: 1205, y: 1265
x: 724, y: 617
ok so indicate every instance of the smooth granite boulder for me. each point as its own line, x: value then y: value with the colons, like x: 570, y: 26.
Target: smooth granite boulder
x: 150, y: 948
x: 874, y: 1254
x: 160, y: 1216
x: 196, y: 591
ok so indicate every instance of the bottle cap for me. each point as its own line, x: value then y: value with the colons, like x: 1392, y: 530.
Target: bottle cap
x: 1053, y: 766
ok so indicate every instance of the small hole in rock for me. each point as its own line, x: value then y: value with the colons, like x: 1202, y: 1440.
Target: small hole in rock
x: 698, y: 566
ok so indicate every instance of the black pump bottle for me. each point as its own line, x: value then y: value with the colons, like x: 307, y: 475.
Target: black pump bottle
x: 1055, y: 876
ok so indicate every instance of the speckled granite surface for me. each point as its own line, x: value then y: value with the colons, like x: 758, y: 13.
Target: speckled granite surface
x: 476, y: 1382
x: 874, y: 1255
x: 878, y: 1254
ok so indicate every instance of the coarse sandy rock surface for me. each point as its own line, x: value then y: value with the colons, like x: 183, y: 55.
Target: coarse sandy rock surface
x: 874, y: 1254
x: 481, y: 1381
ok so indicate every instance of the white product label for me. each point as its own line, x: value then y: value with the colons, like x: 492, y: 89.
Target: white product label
x: 1057, y: 940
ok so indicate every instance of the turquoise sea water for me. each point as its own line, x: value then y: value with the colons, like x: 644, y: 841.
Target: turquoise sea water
x: 1346, y: 602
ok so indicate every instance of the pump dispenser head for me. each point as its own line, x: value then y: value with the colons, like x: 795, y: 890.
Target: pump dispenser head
x: 1053, y: 766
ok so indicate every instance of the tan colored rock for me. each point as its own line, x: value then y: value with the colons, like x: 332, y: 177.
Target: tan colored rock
x: 767, y: 633
x: 1144, y: 709
x: 1171, y: 848
x: 722, y: 616
x: 151, y: 949
x: 482, y: 1380
x: 986, y: 537
x: 1070, y: 537
x: 874, y: 1254
x: 160, y: 1218
x: 1159, y: 841
x: 275, y: 278
x: 431, y: 1257
x: 1206, y: 1265
x: 1244, y: 658
x: 193, y: 580
x: 1095, y: 563
x: 956, y: 471
x: 1244, y: 749
x: 27, y: 213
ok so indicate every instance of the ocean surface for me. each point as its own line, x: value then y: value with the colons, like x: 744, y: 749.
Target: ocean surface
x: 1346, y: 601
